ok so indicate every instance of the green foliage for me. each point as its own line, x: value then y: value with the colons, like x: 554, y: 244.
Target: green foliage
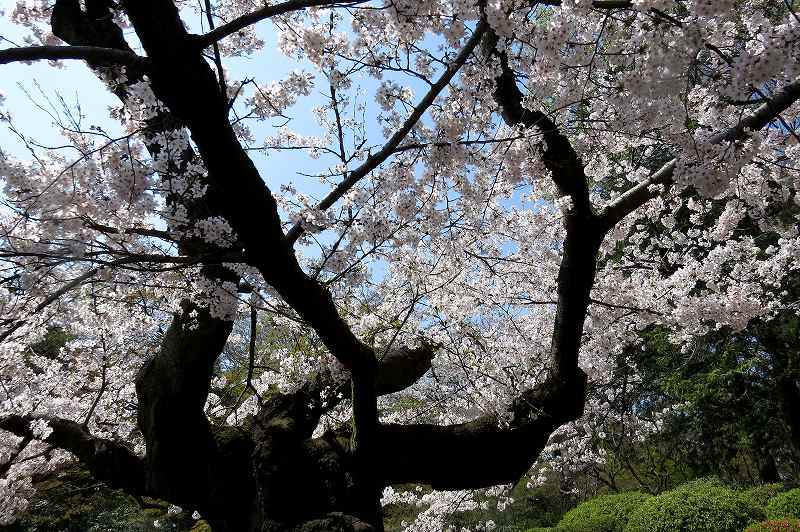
x: 726, y: 396
x: 760, y: 495
x: 776, y: 525
x: 605, y: 513
x: 541, y: 506
x: 785, y: 505
x: 74, y: 502
x: 395, y: 514
x: 701, y: 483
x: 51, y: 343
x: 704, y: 505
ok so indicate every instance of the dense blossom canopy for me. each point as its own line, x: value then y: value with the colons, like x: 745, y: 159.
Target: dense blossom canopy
x: 470, y: 166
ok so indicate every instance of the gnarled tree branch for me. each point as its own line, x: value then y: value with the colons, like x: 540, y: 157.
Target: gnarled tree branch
x: 501, y: 454
x: 108, y: 461
x: 558, y: 155
x: 497, y: 454
x: 583, y: 238
x: 397, y: 370
x: 185, y: 462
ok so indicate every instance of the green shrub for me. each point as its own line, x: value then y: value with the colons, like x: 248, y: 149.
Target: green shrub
x: 761, y: 495
x: 703, y: 482
x: 776, y: 525
x: 605, y: 513
x: 73, y: 501
x: 785, y: 505
x: 704, y: 505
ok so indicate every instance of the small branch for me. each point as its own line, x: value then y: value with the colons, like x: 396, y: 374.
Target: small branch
x: 50, y: 299
x: 264, y: 13
x: 144, y: 231
x: 641, y: 193
x: 92, y: 54
x: 101, y: 391
x: 217, y: 57
x: 378, y: 158
x: 624, y: 307
x: 155, y: 259
x: 339, y: 131
x: 597, y: 4
x: 611, y: 4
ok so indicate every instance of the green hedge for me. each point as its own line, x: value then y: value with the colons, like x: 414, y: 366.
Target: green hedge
x: 605, y: 513
x: 785, y: 505
x: 760, y: 495
x: 704, y: 505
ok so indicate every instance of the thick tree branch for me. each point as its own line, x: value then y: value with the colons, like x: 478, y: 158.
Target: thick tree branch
x: 583, y: 238
x: 558, y: 155
x: 235, y: 186
x: 394, y: 141
x: 264, y: 13
x: 241, y: 196
x: 87, y: 53
x: 398, y: 369
x: 402, y: 367
x: 108, y: 461
x: 436, y: 454
x: 647, y: 189
x: 496, y: 454
x: 172, y: 389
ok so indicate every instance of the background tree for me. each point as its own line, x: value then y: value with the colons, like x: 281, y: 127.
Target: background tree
x: 718, y: 409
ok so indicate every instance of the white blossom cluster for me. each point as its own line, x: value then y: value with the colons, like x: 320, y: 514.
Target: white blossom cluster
x: 275, y: 98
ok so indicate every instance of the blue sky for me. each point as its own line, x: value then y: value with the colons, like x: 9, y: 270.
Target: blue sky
x: 76, y: 84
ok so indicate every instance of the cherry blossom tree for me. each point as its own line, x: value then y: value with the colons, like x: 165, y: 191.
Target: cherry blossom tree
x: 568, y: 174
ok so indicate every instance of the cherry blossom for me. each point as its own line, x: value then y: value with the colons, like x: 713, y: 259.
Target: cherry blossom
x: 464, y: 154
